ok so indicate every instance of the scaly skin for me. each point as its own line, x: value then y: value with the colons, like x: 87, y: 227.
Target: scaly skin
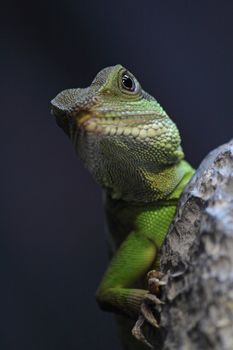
x: 132, y: 148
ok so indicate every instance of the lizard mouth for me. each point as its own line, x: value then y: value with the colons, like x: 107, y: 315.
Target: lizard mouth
x: 138, y: 125
x: 146, y: 128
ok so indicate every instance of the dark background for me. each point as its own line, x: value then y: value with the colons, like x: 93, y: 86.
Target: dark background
x: 52, y: 248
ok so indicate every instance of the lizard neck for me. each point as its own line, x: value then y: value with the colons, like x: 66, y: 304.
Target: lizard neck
x: 145, y: 185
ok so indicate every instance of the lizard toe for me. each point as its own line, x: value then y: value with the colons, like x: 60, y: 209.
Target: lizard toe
x: 148, y: 315
x: 137, y: 331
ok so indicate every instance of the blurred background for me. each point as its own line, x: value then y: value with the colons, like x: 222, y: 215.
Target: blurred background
x: 53, y: 250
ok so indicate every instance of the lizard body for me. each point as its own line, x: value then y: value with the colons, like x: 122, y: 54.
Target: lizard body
x: 132, y: 148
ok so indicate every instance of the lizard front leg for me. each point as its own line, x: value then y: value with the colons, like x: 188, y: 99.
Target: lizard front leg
x: 132, y: 261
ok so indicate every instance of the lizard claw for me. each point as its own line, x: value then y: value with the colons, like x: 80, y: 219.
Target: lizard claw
x: 148, y: 315
x: 137, y: 331
x: 152, y: 299
x: 146, y: 311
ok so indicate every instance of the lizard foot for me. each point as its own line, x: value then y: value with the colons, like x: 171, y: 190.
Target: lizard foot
x: 150, y: 299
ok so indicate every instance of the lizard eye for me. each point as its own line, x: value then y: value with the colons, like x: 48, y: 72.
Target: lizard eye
x: 127, y: 82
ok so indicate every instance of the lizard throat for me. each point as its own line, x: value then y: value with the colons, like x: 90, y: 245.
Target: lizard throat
x: 127, y: 158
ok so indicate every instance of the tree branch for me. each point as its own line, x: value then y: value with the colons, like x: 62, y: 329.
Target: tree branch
x: 197, y: 258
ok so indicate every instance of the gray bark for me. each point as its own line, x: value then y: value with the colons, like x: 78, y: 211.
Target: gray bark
x: 197, y: 258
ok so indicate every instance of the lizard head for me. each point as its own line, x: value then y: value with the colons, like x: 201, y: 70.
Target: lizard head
x: 116, y: 126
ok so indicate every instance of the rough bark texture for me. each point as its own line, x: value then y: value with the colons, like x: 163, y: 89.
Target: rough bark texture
x: 197, y: 258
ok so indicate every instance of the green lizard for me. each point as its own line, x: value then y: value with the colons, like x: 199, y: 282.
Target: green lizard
x: 132, y: 149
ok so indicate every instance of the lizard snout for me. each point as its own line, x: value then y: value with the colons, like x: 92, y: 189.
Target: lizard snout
x: 62, y: 119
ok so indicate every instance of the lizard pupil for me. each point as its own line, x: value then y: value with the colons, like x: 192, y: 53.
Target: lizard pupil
x: 127, y: 82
